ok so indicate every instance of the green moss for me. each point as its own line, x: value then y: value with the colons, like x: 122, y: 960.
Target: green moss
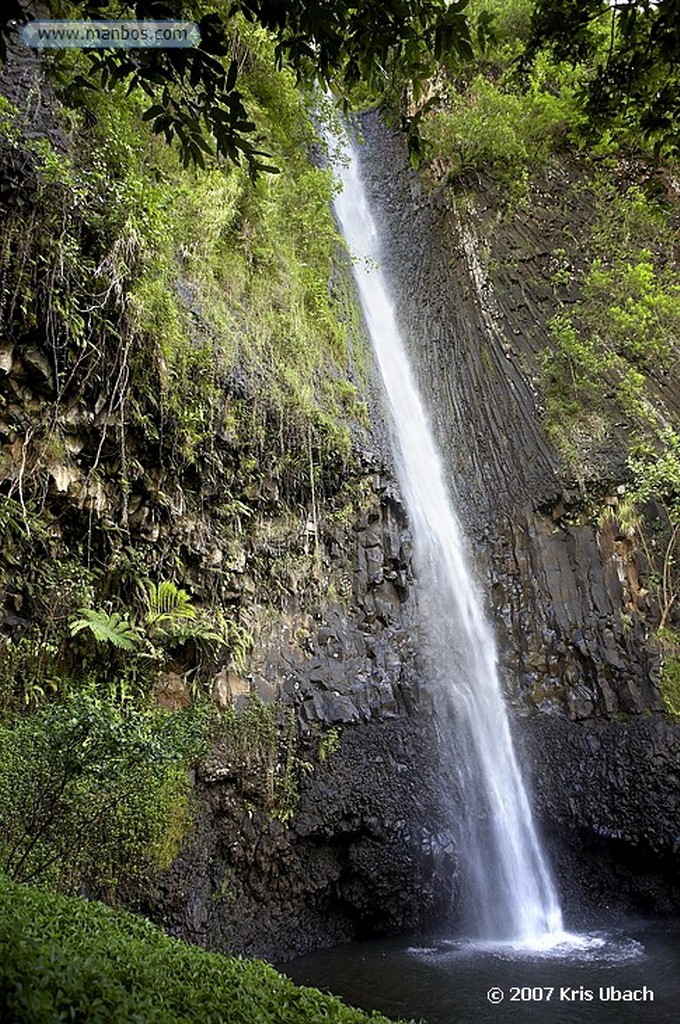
x: 260, y: 742
x: 202, y: 272
x: 193, y: 311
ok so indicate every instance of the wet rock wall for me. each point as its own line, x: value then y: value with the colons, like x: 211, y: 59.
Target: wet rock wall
x: 366, y: 849
x: 558, y: 587
x: 608, y: 796
x: 322, y: 582
x: 474, y: 293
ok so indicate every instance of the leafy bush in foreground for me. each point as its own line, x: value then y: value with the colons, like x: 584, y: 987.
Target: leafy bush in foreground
x: 92, y: 793
x: 64, y: 959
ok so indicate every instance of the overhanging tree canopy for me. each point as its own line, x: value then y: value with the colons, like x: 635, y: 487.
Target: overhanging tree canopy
x: 382, y: 45
x: 193, y: 93
x: 636, y: 76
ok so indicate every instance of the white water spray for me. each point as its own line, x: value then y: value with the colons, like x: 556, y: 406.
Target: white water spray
x: 509, y: 880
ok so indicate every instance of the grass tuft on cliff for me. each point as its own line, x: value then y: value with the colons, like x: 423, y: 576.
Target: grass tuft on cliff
x: 66, y: 959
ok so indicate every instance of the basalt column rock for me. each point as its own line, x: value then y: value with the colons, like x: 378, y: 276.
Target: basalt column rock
x: 473, y: 294
x: 569, y: 626
x: 609, y: 794
x: 566, y: 602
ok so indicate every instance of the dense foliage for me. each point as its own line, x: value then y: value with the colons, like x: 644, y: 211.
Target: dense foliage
x: 196, y: 94
x: 587, y: 94
x: 546, y: 77
x: 92, y: 792
x: 628, y: 53
x: 625, y: 53
x: 191, y: 309
x: 67, y: 960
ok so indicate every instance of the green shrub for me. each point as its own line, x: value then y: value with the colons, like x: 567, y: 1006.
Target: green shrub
x: 90, y: 791
x: 63, y: 959
x: 487, y: 124
x: 623, y: 331
x: 670, y: 684
x: 633, y: 309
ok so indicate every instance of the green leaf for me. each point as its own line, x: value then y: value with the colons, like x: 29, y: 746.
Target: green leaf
x: 231, y: 76
x: 154, y: 111
x: 167, y: 603
x: 107, y: 627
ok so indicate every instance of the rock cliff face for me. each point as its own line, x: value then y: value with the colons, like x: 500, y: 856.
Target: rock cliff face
x: 366, y: 850
x: 325, y: 589
x: 558, y: 588
x: 474, y: 295
x: 608, y: 794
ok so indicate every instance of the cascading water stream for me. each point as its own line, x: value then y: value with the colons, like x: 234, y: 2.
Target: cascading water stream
x: 508, y: 879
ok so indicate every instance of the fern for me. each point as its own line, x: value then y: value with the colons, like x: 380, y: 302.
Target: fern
x: 167, y: 603
x: 237, y: 639
x: 107, y: 627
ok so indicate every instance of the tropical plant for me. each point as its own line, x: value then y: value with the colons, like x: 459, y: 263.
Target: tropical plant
x: 167, y: 603
x: 628, y: 54
x: 108, y: 627
x: 329, y: 743
x: 656, y: 480
x: 171, y: 628
x: 64, y: 959
x: 89, y: 791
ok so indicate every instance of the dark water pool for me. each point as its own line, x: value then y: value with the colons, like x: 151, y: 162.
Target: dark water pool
x: 447, y: 980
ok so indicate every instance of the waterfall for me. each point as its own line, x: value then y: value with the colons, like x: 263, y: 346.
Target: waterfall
x: 506, y: 876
